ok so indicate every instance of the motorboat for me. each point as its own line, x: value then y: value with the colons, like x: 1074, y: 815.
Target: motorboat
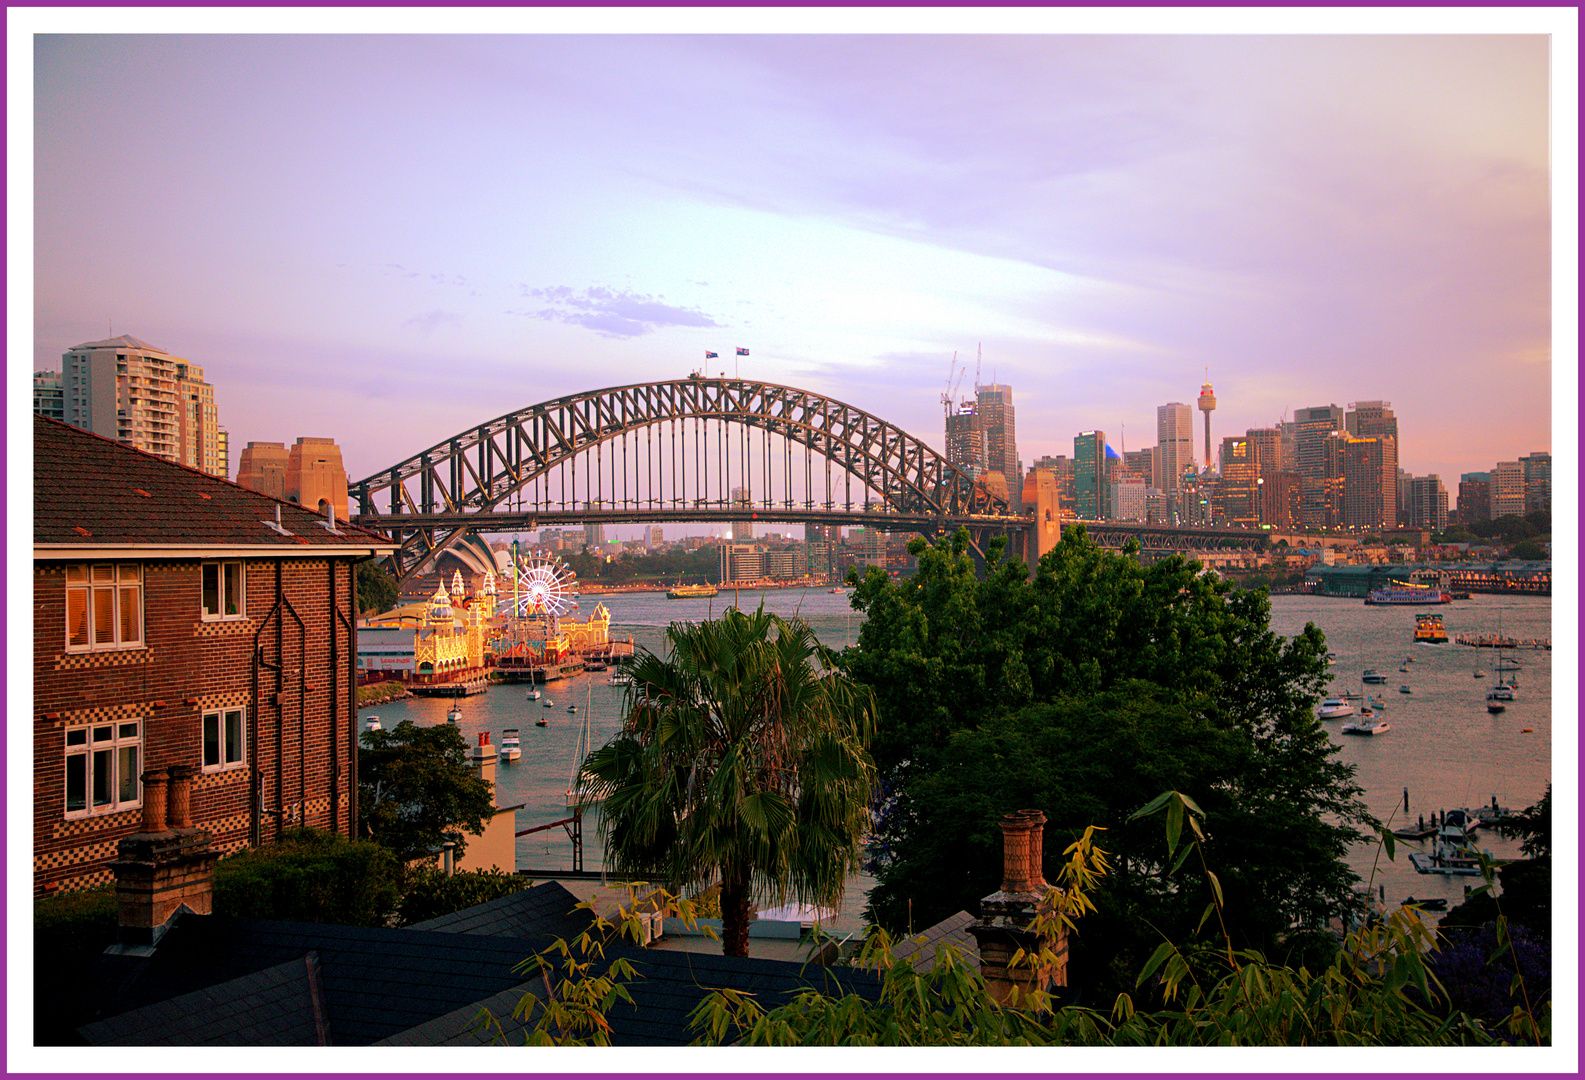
x: 620, y: 678
x: 371, y: 723
x: 1405, y: 689
x: 549, y: 704
x: 1505, y: 663
x: 1494, y: 706
x: 1377, y: 703
x: 455, y: 715
x: 1404, y: 669
x: 572, y: 708
x: 1366, y: 725
x: 1436, y: 903
x: 594, y: 665
x: 542, y: 722
x: 533, y: 695
x: 1333, y: 708
x: 511, y: 745
x: 1373, y: 676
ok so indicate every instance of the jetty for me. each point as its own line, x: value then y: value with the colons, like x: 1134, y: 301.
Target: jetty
x: 1497, y: 641
x: 460, y: 688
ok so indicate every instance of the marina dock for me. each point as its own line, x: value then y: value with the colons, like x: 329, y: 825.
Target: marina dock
x: 1497, y: 641
x: 463, y: 688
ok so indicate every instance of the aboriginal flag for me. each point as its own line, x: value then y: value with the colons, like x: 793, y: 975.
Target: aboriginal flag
x: 709, y: 356
x: 742, y: 352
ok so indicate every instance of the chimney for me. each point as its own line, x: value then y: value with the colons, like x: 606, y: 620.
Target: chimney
x: 1006, y: 915
x: 166, y: 868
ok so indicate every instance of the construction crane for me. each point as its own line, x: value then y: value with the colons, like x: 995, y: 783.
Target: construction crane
x: 950, y: 392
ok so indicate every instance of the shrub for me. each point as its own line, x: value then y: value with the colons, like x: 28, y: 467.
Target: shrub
x: 430, y: 893
x: 309, y: 876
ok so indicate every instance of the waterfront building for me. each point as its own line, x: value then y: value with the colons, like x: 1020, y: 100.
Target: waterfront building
x: 1427, y: 504
x: 1474, y: 497
x: 1174, y: 446
x: 741, y: 562
x: 1318, y: 461
x: 786, y: 564
x: 48, y: 398
x: 1370, y: 482
x: 1537, y: 481
x: 1089, y: 475
x: 993, y: 410
x: 126, y: 389
x: 1507, y: 489
x: 155, y: 589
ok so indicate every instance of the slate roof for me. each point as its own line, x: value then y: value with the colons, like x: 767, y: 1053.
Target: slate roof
x: 953, y: 930
x: 546, y: 910
x: 89, y: 491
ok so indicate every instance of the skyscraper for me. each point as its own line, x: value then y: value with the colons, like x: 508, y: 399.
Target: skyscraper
x: 993, y: 410
x: 1240, y: 488
x: 1372, y: 420
x: 1174, y: 446
x: 1319, y: 464
x: 1427, y: 506
x: 1370, y: 482
x: 1089, y: 473
x: 1474, y: 497
x: 127, y: 389
x: 1537, y: 481
x: 966, y: 440
x: 1507, y: 489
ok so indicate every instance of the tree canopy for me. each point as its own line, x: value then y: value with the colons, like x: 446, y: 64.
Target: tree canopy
x: 1080, y: 690
x: 416, y: 790
x: 377, y: 590
x: 742, y: 757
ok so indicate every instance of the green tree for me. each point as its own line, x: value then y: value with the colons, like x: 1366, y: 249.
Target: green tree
x: 417, y: 790
x: 1527, y: 549
x: 376, y: 589
x: 742, y: 757
x: 1532, y: 826
x: 1078, y: 691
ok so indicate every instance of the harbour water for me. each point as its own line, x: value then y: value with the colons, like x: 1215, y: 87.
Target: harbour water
x: 1444, y: 747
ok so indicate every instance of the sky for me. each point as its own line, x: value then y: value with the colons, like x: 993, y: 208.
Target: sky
x: 387, y: 240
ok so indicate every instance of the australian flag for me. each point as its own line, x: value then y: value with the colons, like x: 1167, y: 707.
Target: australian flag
x: 709, y: 355
x: 742, y: 352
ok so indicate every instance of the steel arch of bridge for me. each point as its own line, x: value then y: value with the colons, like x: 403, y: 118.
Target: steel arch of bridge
x: 430, y: 500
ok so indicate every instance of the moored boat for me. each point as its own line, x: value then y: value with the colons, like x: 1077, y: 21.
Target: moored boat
x: 1373, y: 676
x: 1366, y: 725
x: 455, y: 715
x: 511, y: 745
x: 1333, y: 708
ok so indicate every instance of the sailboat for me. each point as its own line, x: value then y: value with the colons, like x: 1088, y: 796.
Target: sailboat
x: 577, y: 779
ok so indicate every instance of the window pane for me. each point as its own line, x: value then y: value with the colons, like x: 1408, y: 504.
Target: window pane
x: 102, y: 734
x: 103, y: 762
x: 77, y: 616
x: 127, y: 731
x: 76, y: 782
x: 127, y: 767
x: 212, y: 739
x: 128, y: 572
x: 233, y: 578
x: 79, y: 737
x: 79, y: 572
x: 131, y: 617
x: 233, y: 736
x: 211, y: 588
x: 104, y: 616
x: 104, y: 573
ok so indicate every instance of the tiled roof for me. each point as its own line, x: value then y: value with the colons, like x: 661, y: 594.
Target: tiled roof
x: 547, y: 909
x: 920, y: 949
x: 90, y: 491
x: 125, y: 341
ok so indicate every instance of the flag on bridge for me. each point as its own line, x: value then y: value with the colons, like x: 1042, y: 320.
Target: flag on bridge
x: 742, y: 352
x: 709, y: 355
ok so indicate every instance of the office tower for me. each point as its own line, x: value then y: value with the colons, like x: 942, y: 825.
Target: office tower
x: 741, y: 531
x: 1062, y: 467
x: 1288, y: 461
x: 1207, y: 404
x: 1537, y: 482
x: 1265, y: 448
x: 127, y: 389
x: 653, y: 538
x: 1318, y: 463
x: 966, y: 440
x: 1141, y: 464
x: 315, y: 477
x: 1507, y: 489
x: 48, y: 399
x: 262, y: 468
x: 1128, y: 499
x: 820, y: 544
x: 1174, y: 445
x: 593, y: 531
x: 1240, y: 489
x: 1375, y: 420
x: 1281, y: 499
x: 1370, y: 482
x: 1474, y: 497
x: 993, y: 408
x: 1427, y: 505
x: 1089, y: 474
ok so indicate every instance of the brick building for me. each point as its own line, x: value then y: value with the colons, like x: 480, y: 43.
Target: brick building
x: 182, y: 620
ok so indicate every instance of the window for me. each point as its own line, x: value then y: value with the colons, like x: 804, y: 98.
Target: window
x: 104, y: 606
x: 102, y: 768
x: 223, y: 591
x: 223, y: 739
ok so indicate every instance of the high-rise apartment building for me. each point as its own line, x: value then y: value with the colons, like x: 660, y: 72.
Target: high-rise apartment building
x: 48, y: 399
x: 1370, y: 482
x: 1319, y: 462
x: 1507, y: 489
x: 1089, y: 475
x: 1474, y: 497
x: 993, y: 408
x: 1427, y: 504
x: 1174, y: 446
x: 127, y: 389
x: 1537, y: 481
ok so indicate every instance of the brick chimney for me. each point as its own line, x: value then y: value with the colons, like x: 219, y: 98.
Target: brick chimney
x: 165, y: 868
x: 1006, y: 915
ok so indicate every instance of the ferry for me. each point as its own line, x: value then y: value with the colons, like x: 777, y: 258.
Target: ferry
x: 1428, y: 630
x: 1417, y: 595
x: 690, y: 592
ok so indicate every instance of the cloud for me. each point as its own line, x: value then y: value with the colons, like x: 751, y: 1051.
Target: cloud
x: 430, y: 321
x: 611, y: 313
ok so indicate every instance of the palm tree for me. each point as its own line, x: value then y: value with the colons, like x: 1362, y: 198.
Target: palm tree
x: 744, y: 757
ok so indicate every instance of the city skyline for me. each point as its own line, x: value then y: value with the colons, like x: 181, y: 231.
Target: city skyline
x: 386, y: 241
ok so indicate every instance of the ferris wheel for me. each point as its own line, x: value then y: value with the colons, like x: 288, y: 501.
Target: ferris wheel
x: 545, y: 585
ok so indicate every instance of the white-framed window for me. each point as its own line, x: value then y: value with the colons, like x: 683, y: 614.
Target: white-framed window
x: 104, y: 606
x: 102, y: 768
x: 224, y: 739
x: 222, y: 591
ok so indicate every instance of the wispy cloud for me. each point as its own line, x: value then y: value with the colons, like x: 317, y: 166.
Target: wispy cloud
x: 611, y: 313
x: 430, y: 321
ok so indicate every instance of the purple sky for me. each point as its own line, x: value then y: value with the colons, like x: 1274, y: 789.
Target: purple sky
x: 387, y: 240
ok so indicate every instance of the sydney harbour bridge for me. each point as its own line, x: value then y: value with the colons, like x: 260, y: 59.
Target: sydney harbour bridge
x: 703, y: 450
